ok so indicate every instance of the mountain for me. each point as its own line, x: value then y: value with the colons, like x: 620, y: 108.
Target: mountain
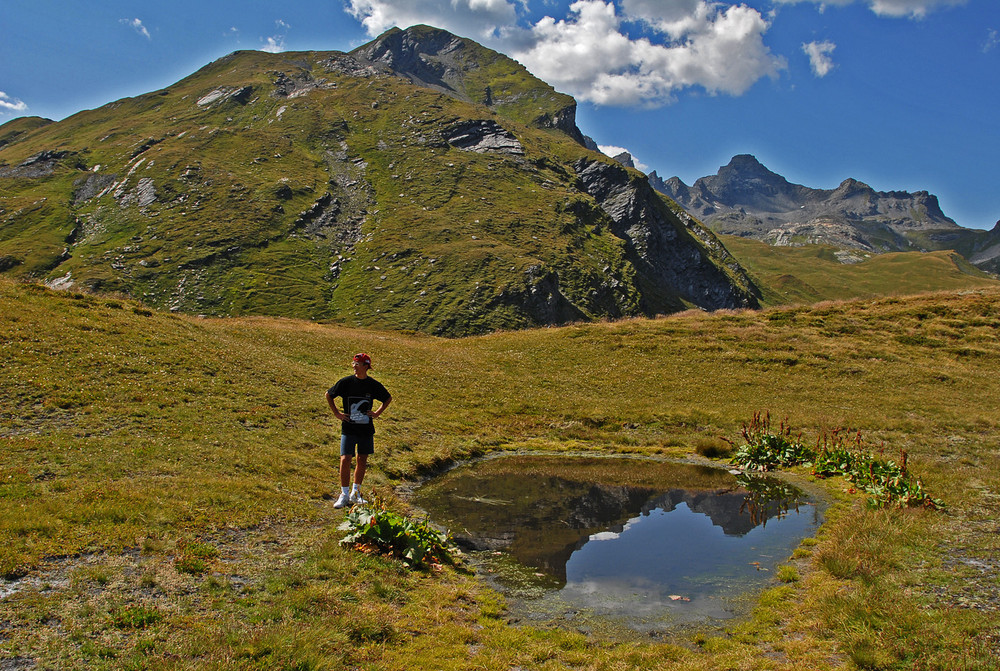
x: 419, y: 182
x: 746, y: 199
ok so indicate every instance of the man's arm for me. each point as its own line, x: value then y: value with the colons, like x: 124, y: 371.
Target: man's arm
x: 381, y: 408
x: 333, y: 406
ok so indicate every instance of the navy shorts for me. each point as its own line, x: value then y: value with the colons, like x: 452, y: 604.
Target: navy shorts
x: 363, y: 444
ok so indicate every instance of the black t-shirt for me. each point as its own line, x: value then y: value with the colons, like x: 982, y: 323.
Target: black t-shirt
x: 356, y: 395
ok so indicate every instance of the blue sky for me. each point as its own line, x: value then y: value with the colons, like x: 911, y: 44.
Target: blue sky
x: 900, y: 94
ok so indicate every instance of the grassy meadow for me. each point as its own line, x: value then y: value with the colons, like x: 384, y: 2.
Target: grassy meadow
x: 813, y: 273
x: 165, y: 482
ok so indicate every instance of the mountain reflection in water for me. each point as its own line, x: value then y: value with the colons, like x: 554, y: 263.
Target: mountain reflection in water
x: 598, y: 527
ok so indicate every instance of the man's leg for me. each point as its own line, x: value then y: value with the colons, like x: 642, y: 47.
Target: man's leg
x: 345, y: 470
x: 346, y: 456
x: 359, y: 472
x: 365, y: 447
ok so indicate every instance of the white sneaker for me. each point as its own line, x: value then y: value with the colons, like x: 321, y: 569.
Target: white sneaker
x: 356, y: 498
x: 341, y: 501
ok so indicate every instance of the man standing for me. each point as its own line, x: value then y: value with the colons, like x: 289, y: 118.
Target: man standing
x: 357, y: 395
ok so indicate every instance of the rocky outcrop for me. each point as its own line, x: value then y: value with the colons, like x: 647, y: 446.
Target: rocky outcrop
x: 143, y: 194
x: 436, y: 59
x: 425, y: 57
x: 90, y: 186
x: 296, y: 84
x: 484, y: 136
x: 239, y: 95
x: 625, y: 158
x: 670, y: 254
x: 41, y: 164
x: 982, y: 248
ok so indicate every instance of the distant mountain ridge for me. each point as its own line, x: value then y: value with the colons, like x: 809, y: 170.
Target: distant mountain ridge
x: 746, y: 199
x: 419, y: 182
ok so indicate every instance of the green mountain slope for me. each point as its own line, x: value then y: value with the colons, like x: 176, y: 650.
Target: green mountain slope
x: 814, y: 273
x: 421, y: 182
x: 12, y: 130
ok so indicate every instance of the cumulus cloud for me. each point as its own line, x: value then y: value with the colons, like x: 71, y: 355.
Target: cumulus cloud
x: 136, y: 25
x: 8, y: 104
x: 675, y: 19
x: 819, y: 56
x: 718, y: 47
x: 915, y: 9
x: 276, y: 43
x: 478, y: 19
x: 613, y: 151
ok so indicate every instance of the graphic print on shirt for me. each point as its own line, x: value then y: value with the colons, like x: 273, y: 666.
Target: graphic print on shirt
x: 359, y: 408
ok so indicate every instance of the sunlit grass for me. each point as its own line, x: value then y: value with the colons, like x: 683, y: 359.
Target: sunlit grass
x: 811, y: 273
x: 165, y: 477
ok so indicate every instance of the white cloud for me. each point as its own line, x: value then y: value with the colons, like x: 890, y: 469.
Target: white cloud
x: 676, y: 18
x: 612, y: 151
x: 605, y: 536
x: 613, y: 535
x: 991, y: 42
x: 819, y: 56
x: 276, y: 43
x: 477, y: 19
x: 716, y: 46
x: 136, y: 25
x: 9, y: 104
x: 916, y: 9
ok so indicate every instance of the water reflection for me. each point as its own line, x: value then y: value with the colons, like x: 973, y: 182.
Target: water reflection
x: 620, y: 537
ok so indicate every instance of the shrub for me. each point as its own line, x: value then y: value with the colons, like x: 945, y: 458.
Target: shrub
x: 713, y: 448
x: 415, y: 542
x: 764, y: 450
x: 886, y: 482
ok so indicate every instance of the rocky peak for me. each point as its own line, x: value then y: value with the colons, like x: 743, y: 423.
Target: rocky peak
x: 418, y: 53
x: 625, y: 159
x: 747, y: 199
x: 456, y: 66
x: 744, y: 177
x: 674, y: 184
x: 746, y: 166
x: 852, y: 187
